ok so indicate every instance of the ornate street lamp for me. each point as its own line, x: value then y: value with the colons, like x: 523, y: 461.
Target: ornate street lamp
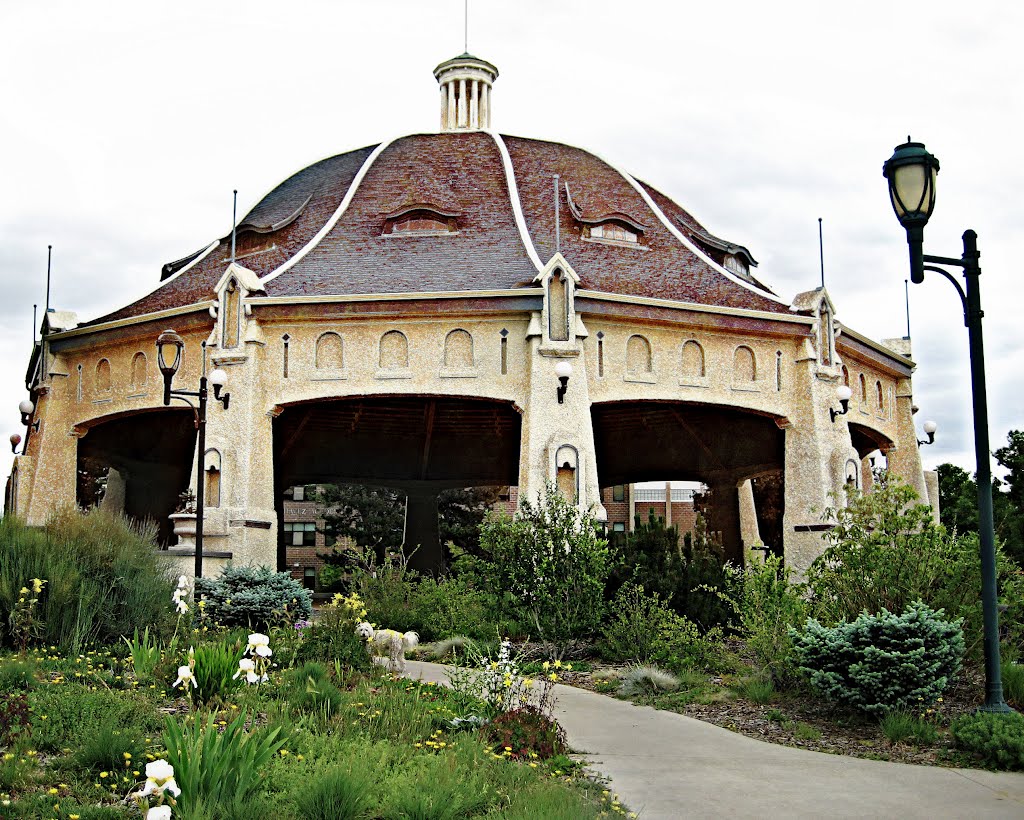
x: 169, y: 347
x: 911, y: 172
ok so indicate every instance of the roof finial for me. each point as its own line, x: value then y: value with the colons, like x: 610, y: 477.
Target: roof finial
x: 234, y: 219
x: 821, y: 253
x: 465, y: 92
x: 465, y: 45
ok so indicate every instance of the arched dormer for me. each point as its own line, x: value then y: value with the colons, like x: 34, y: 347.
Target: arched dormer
x: 558, y: 325
x: 421, y: 220
x: 616, y: 228
x: 234, y: 286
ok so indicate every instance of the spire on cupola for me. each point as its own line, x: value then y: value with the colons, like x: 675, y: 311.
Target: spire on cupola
x: 465, y: 92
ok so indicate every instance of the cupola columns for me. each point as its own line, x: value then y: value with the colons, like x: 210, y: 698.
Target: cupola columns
x: 465, y: 92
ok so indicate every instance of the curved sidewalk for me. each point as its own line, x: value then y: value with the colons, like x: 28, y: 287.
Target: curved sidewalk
x: 664, y: 765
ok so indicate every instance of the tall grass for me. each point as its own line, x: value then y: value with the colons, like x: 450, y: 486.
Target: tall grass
x: 104, y: 575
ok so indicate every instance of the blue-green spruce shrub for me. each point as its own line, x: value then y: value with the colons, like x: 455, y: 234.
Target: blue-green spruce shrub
x: 998, y: 739
x: 884, y: 662
x: 254, y: 597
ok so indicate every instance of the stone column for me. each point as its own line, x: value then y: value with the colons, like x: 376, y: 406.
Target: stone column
x: 668, y: 504
x: 422, y: 533
x: 463, y: 104
x: 452, y: 111
x: 50, y: 480
x: 113, y: 497
x: 444, y: 108
x: 725, y: 519
x: 905, y: 456
x: 631, y: 523
x: 485, y: 102
x: 749, y: 531
x: 547, y: 425
x: 931, y: 481
x: 474, y: 106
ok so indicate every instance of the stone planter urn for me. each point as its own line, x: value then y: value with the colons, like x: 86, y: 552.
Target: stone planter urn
x: 184, y: 528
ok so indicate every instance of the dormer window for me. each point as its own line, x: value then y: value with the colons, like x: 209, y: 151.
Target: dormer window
x: 420, y: 222
x: 735, y: 264
x: 614, y: 231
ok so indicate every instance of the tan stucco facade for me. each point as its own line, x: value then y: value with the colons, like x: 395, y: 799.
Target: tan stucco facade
x: 502, y: 346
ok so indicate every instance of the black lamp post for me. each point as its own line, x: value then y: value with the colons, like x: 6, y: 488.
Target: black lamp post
x: 169, y: 346
x: 911, y: 172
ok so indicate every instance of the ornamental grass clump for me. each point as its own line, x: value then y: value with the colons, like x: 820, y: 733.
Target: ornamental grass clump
x: 881, y: 663
x: 647, y: 680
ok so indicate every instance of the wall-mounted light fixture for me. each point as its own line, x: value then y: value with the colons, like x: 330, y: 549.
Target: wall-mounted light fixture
x: 27, y: 408
x: 844, y: 394
x: 929, y: 428
x: 15, y: 441
x: 563, y: 370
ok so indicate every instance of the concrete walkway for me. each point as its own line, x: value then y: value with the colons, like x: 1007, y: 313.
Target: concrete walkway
x: 664, y: 765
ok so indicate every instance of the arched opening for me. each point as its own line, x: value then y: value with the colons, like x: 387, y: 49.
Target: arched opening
x: 138, y: 464
x: 138, y: 374
x: 558, y: 308
x: 567, y: 460
x: 212, y: 474
x: 232, y: 314
x: 102, y: 380
x: 719, y: 446
x: 434, y: 443
x: 744, y: 366
x: 394, y: 351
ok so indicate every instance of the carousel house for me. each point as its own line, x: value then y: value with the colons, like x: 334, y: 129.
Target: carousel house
x: 454, y: 309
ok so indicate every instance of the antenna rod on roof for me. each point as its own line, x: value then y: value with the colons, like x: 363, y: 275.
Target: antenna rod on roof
x: 466, y: 31
x: 558, y: 235
x: 49, y: 256
x: 906, y: 291
x: 234, y: 216
x: 34, y: 309
x: 821, y: 253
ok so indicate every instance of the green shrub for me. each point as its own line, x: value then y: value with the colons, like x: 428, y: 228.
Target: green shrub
x: 104, y: 576
x: 332, y: 637
x: 770, y: 605
x: 681, y: 646
x: 552, y: 566
x: 254, y: 597
x: 310, y: 689
x: 17, y: 675
x: 885, y: 551
x: 880, y: 663
x: 1013, y: 683
x: 524, y: 734
x: 998, y: 739
x: 74, y: 711
x: 218, y: 767
x: 650, y: 557
x: 337, y: 794
x: 632, y: 628
x: 449, y: 606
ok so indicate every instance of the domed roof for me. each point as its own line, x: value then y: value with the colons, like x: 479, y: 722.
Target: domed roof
x: 335, y: 229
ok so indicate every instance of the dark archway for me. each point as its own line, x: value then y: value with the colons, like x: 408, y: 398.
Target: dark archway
x: 719, y: 446
x: 152, y: 453
x: 417, y: 444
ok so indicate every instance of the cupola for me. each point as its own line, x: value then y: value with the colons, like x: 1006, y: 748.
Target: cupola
x: 465, y: 92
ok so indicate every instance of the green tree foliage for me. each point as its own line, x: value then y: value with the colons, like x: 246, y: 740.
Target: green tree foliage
x: 885, y: 552
x: 958, y: 497
x: 372, y: 517
x: 551, y: 565
x: 460, y: 513
x: 650, y: 557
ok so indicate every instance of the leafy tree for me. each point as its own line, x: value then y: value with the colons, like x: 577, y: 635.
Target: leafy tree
x: 372, y: 517
x: 1010, y: 526
x: 461, y: 512
x: 649, y: 557
x: 552, y: 567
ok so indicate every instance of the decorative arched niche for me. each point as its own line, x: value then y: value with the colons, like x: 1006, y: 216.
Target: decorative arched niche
x: 138, y: 377
x: 329, y: 357
x: 459, y: 357
x: 693, y: 365
x: 639, y: 359
x: 744, y: 369
x: 212, y: 478
x: 393, y: 356
x: 101, y: 379
x: 567, y: 471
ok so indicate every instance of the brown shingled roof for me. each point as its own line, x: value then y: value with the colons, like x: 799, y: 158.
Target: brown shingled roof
x: 460, y: 174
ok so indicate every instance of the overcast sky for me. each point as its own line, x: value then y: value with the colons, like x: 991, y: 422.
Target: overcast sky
x: 126, y: 125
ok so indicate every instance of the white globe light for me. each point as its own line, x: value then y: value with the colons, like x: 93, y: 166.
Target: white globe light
x: 930, y: 427
x: 844, y: 392
x: 218, y: 378
x: 563, y: 370
x: 26, y: 407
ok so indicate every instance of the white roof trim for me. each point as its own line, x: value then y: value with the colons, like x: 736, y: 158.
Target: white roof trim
x: 693, y: 306
x: 82, y: 330
x: 513, y: 194
x: 329, y: 225
x: 682, y: 238
x: 390, y: 297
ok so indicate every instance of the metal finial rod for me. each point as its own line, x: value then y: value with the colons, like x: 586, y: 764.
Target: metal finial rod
x: 558, y: 233
x: 34, y: 309
x: 821, y: 252
x: 906, y: 292
x: 466, y: 29
x: 49, y: 257
x: 234, y: 216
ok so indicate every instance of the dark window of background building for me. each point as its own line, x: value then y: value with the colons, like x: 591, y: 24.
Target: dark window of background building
x: 619, y: 492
